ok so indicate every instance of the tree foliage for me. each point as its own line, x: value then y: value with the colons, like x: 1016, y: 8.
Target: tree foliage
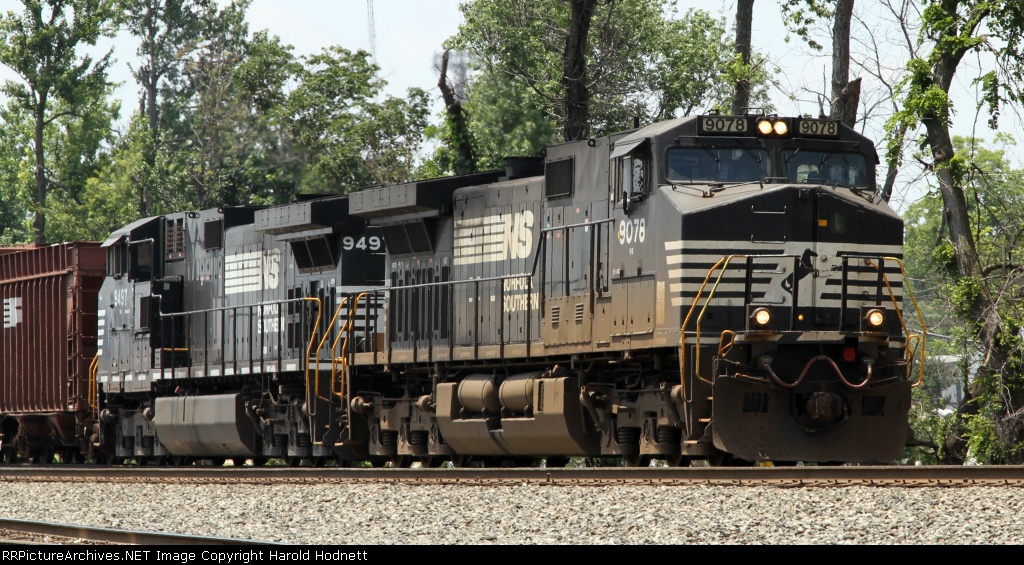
x: 988, y: 427
x: 954, y: 29
x: 56, y: 84
x: 348, y: 139
x: 644, y: 63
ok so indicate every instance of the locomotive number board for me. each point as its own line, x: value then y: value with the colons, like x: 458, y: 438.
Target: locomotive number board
x: 724, y: 125
x: 812, y: 127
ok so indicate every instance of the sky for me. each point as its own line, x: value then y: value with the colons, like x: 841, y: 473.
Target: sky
x: 409, y: 35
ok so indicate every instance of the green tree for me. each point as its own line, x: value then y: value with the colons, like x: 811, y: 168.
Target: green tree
x: 169, y: 32
x: 41, y: 44
x: 956, y: 29
x: 640, y: 63
x: 16, y: 177
x: 348, y: 138
x: 988, y: 430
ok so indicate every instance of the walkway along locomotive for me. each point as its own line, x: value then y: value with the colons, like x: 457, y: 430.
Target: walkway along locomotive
x: 723, y: 288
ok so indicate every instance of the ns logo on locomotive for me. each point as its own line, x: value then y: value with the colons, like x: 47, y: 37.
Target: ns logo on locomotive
x: 727, y: 289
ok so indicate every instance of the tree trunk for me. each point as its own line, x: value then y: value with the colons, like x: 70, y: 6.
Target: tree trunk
x: 576, y: 101
x: 150, y: 80
x: 984, y: 308
x: 39, y: 223
x: 845, y: 94
x: 744, y: 23
x: 466, y: 162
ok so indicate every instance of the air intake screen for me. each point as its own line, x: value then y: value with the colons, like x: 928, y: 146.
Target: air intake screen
x: 558, y: 178
x: 213, y: 234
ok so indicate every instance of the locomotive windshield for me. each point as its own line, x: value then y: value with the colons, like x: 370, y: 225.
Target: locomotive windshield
x: 717, y: 164
x: 819, y: 167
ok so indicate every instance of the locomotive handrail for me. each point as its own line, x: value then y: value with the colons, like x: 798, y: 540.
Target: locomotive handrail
x: 918, y: 338
x: 724, y: 263
x: 476, y: 282
x: 311, y: 410
x: 342, y: 357
x: 223, y: 309
x: 451, y: 284
x: 94, y: 393
x: 320, y: 346
x: 911, y: 352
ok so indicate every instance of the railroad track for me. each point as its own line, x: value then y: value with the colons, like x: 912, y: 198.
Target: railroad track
x: 30, y: 532
x: 931, y: 476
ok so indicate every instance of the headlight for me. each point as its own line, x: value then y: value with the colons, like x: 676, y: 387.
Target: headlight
x: 773, y: 127
x: 761, y: 317
x: 874, y: 318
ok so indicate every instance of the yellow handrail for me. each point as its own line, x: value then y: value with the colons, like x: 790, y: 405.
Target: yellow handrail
x: 911, y: 352
x: 309, y: 348
x: 723, y: 263
x: 320, y: 346
x: 339, y: 391
x: 93, y: 392
x: 918, y: 339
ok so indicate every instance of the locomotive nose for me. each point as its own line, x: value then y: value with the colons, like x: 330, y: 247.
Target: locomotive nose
x: 824, y: 407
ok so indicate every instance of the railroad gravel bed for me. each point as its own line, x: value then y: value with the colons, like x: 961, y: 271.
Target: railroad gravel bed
x: 359, y: 515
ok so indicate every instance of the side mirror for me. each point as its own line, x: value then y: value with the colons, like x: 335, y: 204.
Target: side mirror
x: 627, y: 201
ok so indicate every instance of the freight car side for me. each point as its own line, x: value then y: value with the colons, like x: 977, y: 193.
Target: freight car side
x: 47, y: 343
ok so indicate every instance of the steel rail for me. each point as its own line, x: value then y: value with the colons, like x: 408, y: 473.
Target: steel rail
x: 797, y: 476
x: 116, y: 536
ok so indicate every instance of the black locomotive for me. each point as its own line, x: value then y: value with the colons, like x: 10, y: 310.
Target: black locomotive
x: 719, y: 288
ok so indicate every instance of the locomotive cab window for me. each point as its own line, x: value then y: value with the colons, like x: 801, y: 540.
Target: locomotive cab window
x: 632, y: 177
x: 818, y: 167
x: 716, y: 164
x: 142, y: 260
x: 117, y: 259
x: 631, y: 163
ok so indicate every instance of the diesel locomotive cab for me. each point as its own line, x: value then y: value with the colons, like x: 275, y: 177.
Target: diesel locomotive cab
x: 786, y: 277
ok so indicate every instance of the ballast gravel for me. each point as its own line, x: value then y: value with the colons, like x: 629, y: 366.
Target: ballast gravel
x: 368, y: 515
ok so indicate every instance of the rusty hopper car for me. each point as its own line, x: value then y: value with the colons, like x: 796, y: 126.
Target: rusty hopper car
x: 47, y: 343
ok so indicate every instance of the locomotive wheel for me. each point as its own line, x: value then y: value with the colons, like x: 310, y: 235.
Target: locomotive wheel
x: 340, y: 461
x: 181, y: 460
x: 459, y: 461
x: 43, y: 457
x: 293, y: 461
x: 401, y: 461
x: 318, y: 462
x: 677, y: 460
x: 637, y: 460
x: 556, y: 462
x: 430, y: 461
x: 259, y: 461
x: 723, y: 459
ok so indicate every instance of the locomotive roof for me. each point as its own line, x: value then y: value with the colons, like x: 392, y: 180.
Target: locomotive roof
x: 117, y: 234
